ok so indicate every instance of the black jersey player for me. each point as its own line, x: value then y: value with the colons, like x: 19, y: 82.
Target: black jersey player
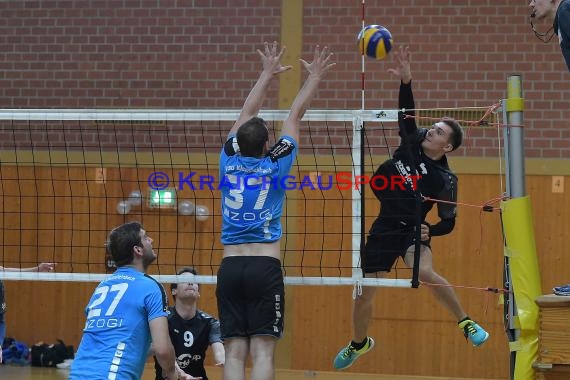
x: 191, y: 330
x: 422, y: 155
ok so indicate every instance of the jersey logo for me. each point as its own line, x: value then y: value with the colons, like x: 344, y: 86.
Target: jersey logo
x: 184, y: 360
x: 231, y: 146
x: 281, y: 149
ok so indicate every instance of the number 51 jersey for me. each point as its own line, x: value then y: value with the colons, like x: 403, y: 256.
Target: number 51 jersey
x: 116, y: 337
x: 253, y: 191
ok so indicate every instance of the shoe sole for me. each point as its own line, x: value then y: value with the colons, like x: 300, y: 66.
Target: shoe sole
x: 359, y: 355
x: 482, y: 341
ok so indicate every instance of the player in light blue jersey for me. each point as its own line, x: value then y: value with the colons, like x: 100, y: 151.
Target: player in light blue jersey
x: 250, y: 287
x: 126, y: 312
x: 254, y: 193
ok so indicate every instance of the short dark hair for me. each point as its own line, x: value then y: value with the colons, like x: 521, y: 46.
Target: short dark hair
x: 456, y: 138
x: 122, y: 240
x: 252, y: 136
x: 181, y: 271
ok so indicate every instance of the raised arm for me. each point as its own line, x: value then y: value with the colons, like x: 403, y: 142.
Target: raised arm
x: 405, y: 95
x: 316, y: 69
x: 272, y: 66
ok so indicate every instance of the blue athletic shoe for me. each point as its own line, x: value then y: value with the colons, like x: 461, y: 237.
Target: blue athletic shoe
x: 475, y: 333
x: 348, y: 355
x: 562, y: 290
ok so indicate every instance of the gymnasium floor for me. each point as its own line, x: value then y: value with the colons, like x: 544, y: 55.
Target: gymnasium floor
x: 29, y: 373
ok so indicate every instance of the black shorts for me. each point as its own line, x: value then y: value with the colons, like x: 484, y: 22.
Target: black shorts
x: 383, y: 248
x: 251, y: 296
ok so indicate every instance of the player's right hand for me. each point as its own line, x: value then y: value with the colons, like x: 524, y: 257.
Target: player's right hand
x: 402, y: 70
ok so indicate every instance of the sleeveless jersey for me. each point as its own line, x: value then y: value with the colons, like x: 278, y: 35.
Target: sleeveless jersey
x: 253, y: 191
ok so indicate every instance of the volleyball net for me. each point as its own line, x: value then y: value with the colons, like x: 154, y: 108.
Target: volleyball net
x: 67, y: 177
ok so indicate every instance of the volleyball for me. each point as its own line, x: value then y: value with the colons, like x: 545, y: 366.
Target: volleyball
x: 375, y: 41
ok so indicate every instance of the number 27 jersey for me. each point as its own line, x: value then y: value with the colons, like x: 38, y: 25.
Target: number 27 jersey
x: 253, y: 191
x: 116, y: 337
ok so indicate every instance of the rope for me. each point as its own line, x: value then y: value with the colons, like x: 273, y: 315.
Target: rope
x: 481, y: 122
x: 484, y: 289
x: 487, y: 206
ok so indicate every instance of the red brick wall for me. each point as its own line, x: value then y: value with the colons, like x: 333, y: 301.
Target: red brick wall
x: 200, y: 54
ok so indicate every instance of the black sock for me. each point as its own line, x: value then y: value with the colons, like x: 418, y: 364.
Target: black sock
x: 358, y: 346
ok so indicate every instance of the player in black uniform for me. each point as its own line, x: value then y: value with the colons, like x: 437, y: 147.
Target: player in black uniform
x: 191, y: 330
x: 421, y: 153
x: 557, y: 12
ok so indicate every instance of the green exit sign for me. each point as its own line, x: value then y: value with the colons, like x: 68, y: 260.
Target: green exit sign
x: 164, y: 198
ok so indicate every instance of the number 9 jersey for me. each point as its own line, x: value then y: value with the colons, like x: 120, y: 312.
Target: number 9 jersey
x: 253, y: 191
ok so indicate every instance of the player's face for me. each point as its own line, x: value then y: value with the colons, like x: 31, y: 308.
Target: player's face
x: 541, y: 8
x: 148, y: 254
x: 437, y: 138
x: 189, y: 288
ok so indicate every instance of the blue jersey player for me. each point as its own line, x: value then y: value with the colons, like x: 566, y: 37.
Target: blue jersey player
x: 250, y: 289
x: 126, y: 312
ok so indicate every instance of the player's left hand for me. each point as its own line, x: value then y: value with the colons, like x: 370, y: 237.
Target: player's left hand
x: 321, y: 62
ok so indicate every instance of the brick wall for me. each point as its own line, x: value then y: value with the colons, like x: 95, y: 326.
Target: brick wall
x: 200, y: 54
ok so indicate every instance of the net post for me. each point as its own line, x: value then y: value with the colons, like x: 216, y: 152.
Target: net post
x: 516, y: 188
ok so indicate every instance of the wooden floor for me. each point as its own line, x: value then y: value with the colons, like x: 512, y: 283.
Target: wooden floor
x: 29, y: 373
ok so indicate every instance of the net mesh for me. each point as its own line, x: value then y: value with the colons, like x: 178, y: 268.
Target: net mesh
x: 67, y: 177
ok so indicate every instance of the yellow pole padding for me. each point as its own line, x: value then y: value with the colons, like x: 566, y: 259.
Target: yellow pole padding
x: 525, y: 276
x: 515, y: 104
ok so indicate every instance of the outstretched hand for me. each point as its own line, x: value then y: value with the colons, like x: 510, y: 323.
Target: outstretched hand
x: 321, y: 62
x: 46, y: 267
x: 271, y: 59
x: 403, y: 70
